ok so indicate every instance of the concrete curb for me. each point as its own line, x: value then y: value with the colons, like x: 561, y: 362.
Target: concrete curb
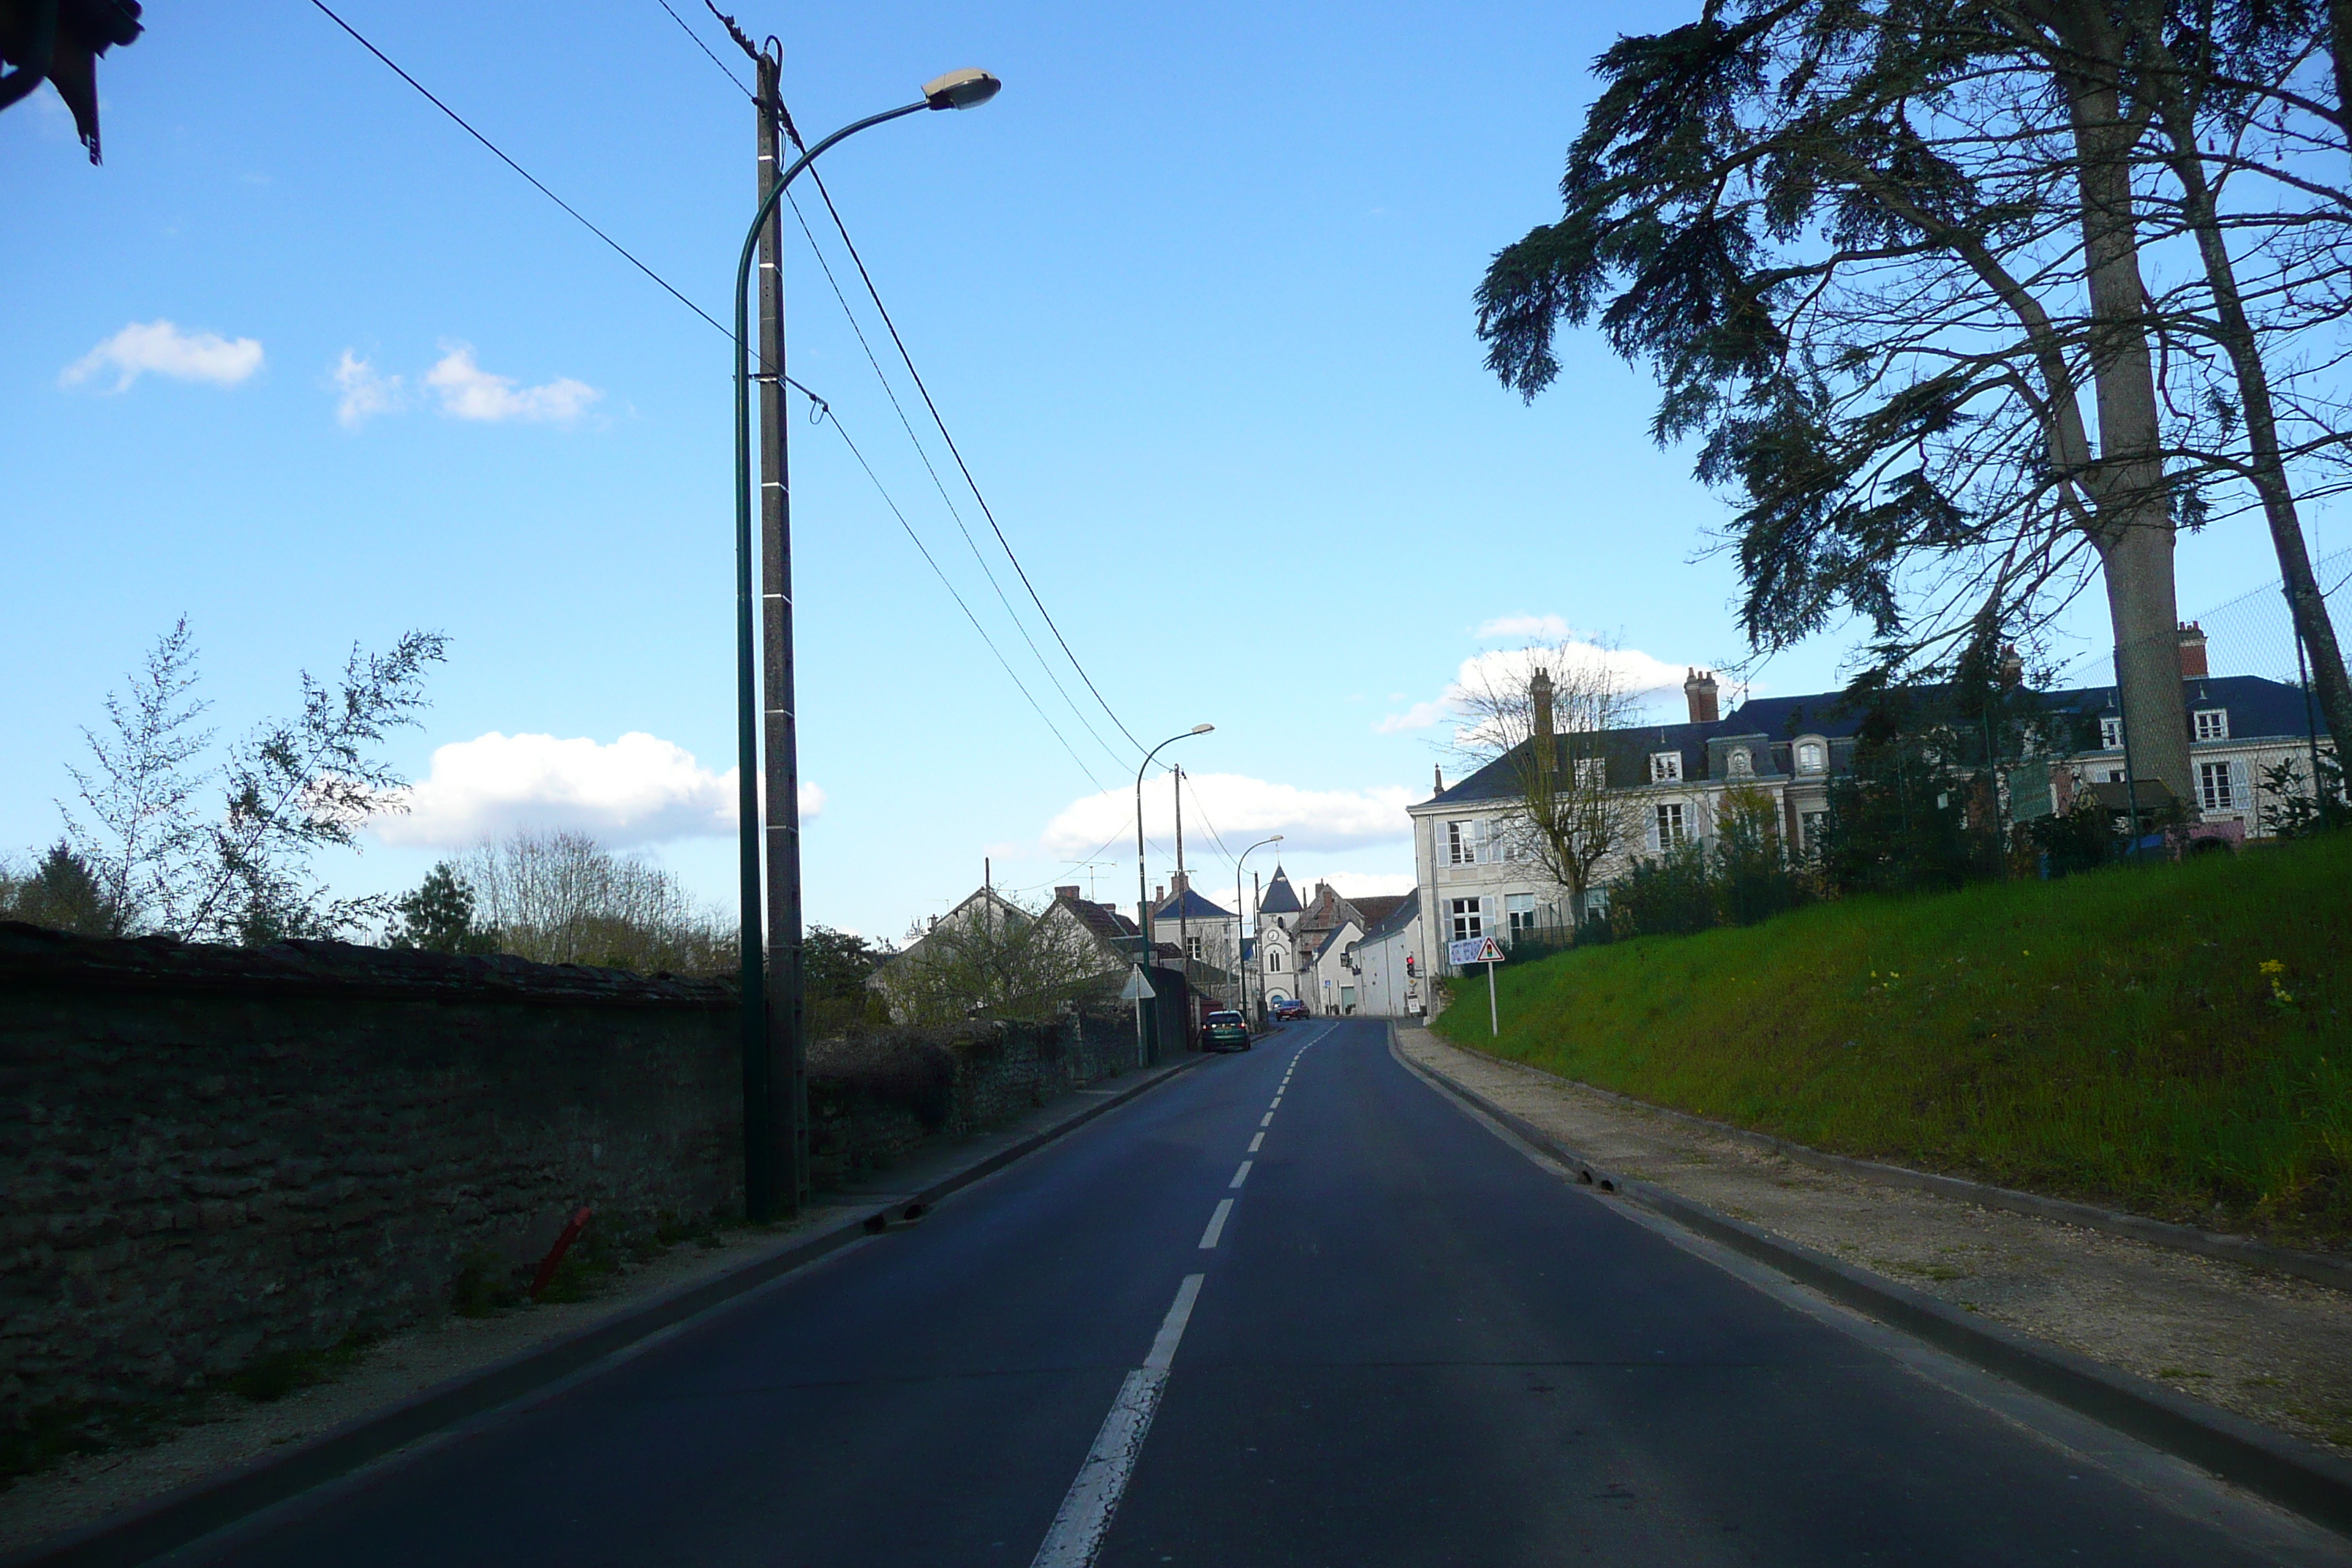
x: 195, y: 1511
x: 2296, y: 1475
x: 2316, y: 1266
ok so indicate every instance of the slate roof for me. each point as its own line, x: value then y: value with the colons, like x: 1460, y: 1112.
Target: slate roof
x: 1396, y: 919
x: 1280, y: 899
x: 1195, y: 908
x: 2259, y: 708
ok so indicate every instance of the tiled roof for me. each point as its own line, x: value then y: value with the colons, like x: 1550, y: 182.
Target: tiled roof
x: 1373, y: 909
x: 1110, y: 927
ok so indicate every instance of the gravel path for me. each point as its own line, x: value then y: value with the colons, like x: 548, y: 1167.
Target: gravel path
x: 2275, y: 1348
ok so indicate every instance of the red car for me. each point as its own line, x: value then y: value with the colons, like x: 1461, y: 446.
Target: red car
x: 1287, y: 1008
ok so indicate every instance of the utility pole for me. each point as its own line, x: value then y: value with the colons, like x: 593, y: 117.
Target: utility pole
x: 786, y: 1019
x: 1257, y: 898
x: 1183, y: 947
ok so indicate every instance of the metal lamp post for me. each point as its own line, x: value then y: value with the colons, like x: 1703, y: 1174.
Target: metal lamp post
x: 1142, y: 901
x: 957, y: 90
x: 1241, y: 911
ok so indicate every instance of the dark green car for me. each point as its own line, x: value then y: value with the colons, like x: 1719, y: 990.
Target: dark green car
x: 1224, y: 1032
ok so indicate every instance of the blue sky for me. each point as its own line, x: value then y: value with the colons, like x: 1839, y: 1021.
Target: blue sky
x: 1194, y: 294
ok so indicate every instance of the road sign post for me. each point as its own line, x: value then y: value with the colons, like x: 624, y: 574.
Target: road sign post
x: 1138, y: 991
x: 1483, y: 950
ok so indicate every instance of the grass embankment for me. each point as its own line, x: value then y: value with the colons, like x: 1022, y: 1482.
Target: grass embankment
x: 2171, y: 1039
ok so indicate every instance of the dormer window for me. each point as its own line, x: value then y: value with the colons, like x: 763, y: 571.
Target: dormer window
x: 2111, y: 735
x: 1809, y: 757
x: 2212, y: 723
x: 1665, y: 767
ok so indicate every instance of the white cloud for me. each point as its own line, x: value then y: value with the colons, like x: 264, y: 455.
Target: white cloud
x: 1639, y: 676
x: 1545, y: 628
x: 1243, y: 809
x: 640, y: 789
x: 469, y: 392
x: 1419, y: 716
x: 366, y: 392
x: 162, y: 349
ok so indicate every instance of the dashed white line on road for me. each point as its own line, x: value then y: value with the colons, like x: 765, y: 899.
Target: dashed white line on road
x: 1216, y: 1223
x: 1255, y: 1142
x: 1085, y: 1517
x: 1242, y: 1175
x: 1277, y: 1101
x: 1266, y: 1121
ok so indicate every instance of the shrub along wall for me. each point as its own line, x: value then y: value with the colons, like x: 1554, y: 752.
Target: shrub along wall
x: 213, y: 1156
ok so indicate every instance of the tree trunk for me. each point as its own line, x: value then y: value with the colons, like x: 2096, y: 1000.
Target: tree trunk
x: 2134, y: 530
x: 2304, y: 601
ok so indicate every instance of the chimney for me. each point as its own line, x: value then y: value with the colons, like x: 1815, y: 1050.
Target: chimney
x: 1179, y: 881
x: 1159, y: 895
x: 1436, y: 778
x: 1700, y: 689
x: 2012, y: 667
x: 1068, y: 893
x: 2192, y: 651
x: 1539, y: 698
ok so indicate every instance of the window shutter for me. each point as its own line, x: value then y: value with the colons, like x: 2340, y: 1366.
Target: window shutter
x: 1485, y: 838
x: 2242, y: 793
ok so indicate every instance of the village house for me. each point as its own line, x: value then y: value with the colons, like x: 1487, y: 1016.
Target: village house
x: 1476, y: 881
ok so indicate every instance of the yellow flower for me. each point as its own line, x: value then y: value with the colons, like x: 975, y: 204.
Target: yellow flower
x: 2272, y: 966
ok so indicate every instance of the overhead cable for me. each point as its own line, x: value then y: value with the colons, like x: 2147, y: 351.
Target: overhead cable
x: 819, y: 404
x: 938, y: 484
x: 724, y: 69
x: 618, y: 247
x: 835, y: 420
x: 966, y: 469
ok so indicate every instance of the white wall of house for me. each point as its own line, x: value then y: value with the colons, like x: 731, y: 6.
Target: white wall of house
x: 1330, y: 988
x: 1384, y: 987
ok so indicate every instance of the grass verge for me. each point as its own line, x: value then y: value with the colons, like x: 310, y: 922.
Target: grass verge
x: 2171, y: 1039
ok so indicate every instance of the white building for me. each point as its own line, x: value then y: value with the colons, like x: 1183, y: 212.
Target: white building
x: 1388, y: 966
x: 1302, y: 950
x: 1473, y: 883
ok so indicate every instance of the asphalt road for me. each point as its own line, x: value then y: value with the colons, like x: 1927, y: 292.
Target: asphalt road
x: 1408, y: 1344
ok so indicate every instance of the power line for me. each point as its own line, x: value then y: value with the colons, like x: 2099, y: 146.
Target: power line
x: 617, y: 247
x: 1206, y: 823
x: 835, y: 420
x: 723, y: 67
x: 936, y: 483
x: 820, y: 403
x: 966, y: 469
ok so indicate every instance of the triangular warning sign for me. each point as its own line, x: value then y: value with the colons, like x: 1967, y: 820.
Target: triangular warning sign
x: 1491, y: 952
x: 1138, y: 988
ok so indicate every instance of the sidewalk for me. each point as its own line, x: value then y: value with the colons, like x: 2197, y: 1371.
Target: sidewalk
x: 2272, y: 1349
x: 443, y: 1358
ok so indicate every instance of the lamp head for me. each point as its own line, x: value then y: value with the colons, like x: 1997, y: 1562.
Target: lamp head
x: 1202, y: 728
x: 965, y: 88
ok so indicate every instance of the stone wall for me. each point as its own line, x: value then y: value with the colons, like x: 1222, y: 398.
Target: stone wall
x: 211, y: 1155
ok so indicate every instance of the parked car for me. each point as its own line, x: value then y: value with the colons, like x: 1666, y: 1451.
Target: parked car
x: 1224, y: 1032
x: 1289, y: 1007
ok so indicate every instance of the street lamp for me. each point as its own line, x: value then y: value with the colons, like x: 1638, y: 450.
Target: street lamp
x: 1142, y: 902
x: 1240, y: 909
x: 957, y: 90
